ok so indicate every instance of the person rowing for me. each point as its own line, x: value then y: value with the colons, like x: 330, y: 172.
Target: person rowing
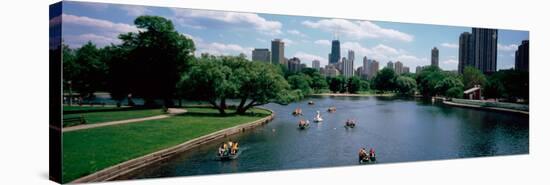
x: 363, y: 156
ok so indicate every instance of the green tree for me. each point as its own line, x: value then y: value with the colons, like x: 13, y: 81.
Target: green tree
x: 405, y: 85
x: 510, y: 85
x: 450, y: 86
x: 384, y: 80
x: 365, y: 85
x: 90, y: 72
x: 472, y: 76
x: 428, y: 79
x: 354, y: 84
x: 302, y: 82
x: 216, y: 79
x: 337, y: 84
x: 158, y: 56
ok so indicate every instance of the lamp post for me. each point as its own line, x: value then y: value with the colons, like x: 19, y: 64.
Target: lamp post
x: 70, y: 93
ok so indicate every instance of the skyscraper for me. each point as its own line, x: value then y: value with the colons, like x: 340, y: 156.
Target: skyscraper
x: 294, y: 64
x: 365, y: 65
x: 465, y: 51
x: 261, y: 54
x: 277, y: 51
x: 347, y: 64
x: 522, y: 56
x: 485, y: 49
x: 316, y: 64
x: 373, y: 68
x: 334, y: 55
x: 398, y: 67
x: 406, y: 70
x: 390, y: 65
x: 435, y: 57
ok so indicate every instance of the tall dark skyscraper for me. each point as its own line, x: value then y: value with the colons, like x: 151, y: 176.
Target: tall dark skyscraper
x: 465, y: 51
x: 485, y: 49
x: 435, y: 57
x: 334, y: 52
x: 277, y: 51
x: 478, y: 49
x: 522, y: 56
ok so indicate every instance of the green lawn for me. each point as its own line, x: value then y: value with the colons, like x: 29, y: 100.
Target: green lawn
x: 115, y: 115
x: 88, y: 151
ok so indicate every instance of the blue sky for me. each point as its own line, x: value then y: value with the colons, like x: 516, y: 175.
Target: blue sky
x: 308, y: 38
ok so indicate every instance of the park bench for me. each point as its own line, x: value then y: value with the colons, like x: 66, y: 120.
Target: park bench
x: 72, y: 121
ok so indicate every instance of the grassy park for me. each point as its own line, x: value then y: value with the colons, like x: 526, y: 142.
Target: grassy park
x: 92, y: 115
x: 91, y: 150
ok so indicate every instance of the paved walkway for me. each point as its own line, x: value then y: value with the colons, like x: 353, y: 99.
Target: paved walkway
x: 171, y: 112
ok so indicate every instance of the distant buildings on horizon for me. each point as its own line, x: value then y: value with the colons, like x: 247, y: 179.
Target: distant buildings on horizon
x: 477, y: 49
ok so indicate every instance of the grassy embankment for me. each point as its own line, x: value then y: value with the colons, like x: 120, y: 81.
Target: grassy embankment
x: 91, y: 150
x: 105, y: 114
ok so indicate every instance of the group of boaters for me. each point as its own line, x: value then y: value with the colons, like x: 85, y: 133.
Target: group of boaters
x: 367, y: 157
x: 229, y: 148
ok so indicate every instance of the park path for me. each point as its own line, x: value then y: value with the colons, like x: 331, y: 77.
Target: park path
x: 171, y: 112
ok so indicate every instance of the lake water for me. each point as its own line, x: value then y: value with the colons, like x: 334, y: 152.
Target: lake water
x: 398, y: 129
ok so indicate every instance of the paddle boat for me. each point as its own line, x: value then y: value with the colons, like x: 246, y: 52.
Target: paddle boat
x: 228, y: 151
x: 318, y: 117
x: 331, y: 109
x: 303, y: 124
x: 297, y: 112
x: 350, y: 123
x: 366, y: 158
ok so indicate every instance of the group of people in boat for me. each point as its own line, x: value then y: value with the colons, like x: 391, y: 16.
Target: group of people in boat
x: 365, y: 156
x: 229, y: 148
x: 303, y: 123
x: 331, y: 109
x: 297, y: 112
x: 350, y: 123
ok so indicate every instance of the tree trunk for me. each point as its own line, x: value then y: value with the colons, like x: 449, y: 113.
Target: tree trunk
x: 241, y: 105
x: 244, y: 109
x: 220, y: 109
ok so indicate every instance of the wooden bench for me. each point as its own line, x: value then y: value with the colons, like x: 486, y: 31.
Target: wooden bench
x: 72, y: 121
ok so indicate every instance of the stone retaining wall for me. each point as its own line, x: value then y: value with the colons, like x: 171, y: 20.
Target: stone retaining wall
x: 124, y: 168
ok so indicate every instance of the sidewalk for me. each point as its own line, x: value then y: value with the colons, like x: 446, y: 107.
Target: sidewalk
x: 171, y: 112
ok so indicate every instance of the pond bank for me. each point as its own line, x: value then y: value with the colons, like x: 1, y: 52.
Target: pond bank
x: 352, y: 95
x: 120, y: 169
x: 483, y: 105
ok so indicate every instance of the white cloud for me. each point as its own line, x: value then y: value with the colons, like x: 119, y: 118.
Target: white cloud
x: 76, y: 41
x: 510, y: 47
x: 103, y: 25
x: 243, y: 20
x: 450, y: 62
x: 297, y: 33
x: 216, y: 48
x: 135, y: 10
x: 449, y: 45
x: 383, y: 54
x: 358, y: 29
x: 306, y: 58
x: 99, y: 31
x: 323, y: 42
x: 288, y: 42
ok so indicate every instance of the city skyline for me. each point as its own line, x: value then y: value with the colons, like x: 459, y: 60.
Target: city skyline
x: 307, y: 38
